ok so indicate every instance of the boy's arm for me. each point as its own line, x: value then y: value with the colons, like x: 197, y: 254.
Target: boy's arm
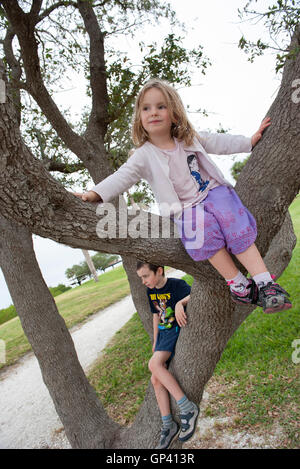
x: 155, y: 329
x: 180, y: 315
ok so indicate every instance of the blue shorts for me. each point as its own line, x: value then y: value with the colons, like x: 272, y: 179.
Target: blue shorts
x: 166, y: 341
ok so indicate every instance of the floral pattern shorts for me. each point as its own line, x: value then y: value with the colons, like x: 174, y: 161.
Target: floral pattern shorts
x: 220, y: 220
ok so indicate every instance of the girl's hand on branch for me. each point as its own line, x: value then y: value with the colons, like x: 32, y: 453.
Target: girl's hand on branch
x: 257, y: 136
x: 89, y: 196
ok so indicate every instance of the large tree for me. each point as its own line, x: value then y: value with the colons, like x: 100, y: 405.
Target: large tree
x: 32, y: 201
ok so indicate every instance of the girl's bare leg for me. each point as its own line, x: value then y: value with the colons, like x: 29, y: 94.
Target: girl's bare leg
x: 224, y: 264
x: 252, y: 261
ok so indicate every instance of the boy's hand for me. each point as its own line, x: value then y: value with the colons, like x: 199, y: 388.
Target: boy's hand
x: 180, y: 314
x: 89, y: 196
x: 257, y: 136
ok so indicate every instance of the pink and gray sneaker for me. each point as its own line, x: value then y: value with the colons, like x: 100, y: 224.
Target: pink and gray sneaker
x: 273, y: 298
x: 244, y: 295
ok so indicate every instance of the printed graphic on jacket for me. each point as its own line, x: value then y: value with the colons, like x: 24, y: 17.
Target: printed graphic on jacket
x: 195, y: 172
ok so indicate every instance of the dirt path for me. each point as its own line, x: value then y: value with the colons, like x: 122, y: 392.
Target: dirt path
x: 27, y: 415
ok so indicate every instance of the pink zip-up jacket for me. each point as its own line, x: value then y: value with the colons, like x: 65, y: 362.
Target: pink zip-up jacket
x: 149, y: 162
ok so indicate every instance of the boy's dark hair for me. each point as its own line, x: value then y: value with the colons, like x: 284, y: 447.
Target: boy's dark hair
x: 152, y: 267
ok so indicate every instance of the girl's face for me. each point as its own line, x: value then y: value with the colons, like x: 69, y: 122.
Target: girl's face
x: 154, y: 114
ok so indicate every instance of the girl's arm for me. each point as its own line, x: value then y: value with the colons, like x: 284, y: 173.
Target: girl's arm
x: 120, y: 181
x: 155, y: 329
x: 226, y: 144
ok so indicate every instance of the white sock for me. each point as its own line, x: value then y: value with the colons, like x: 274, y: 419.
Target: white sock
x: 238, y: 280
x: 262, y: 279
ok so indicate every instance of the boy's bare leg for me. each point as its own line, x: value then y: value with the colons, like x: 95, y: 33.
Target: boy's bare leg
x: 252, y: 260
x: 162, y: 396
x: 158, y: 369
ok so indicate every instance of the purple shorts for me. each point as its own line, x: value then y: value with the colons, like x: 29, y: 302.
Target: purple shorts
x: 221, y: 220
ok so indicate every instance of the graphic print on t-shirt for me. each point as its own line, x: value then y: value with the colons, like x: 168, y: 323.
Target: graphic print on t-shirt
x: 163, y: 301
x: 195, y: 172
x: 166, y: 313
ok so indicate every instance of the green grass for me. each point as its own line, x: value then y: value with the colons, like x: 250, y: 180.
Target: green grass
x: 121, y: 376
x: 74, y: 306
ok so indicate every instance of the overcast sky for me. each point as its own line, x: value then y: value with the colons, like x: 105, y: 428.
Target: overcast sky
x: 236, y: 93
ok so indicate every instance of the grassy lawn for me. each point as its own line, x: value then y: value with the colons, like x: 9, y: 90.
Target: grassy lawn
x: 74, y: 306
x: 256, y: 379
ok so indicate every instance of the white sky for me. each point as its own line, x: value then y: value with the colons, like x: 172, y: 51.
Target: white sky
x: 236, y: 93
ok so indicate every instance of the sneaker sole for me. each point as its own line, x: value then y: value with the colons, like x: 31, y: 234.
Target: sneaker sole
x: 241, y: 302
x: 277, y: 309
x: 173, y: 438
x: 187, y: 437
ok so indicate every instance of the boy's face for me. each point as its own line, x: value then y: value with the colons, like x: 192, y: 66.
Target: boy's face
x: 149, y: 278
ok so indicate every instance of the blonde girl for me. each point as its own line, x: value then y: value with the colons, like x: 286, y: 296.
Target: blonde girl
x: 212, y: 221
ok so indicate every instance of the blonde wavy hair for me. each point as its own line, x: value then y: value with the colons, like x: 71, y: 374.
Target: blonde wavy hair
x: 181, y: 128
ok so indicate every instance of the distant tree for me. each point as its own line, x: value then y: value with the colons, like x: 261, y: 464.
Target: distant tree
x: 237, y: 167
x: 102, y: 261
x: 59, y: 289
x: 78, y: 272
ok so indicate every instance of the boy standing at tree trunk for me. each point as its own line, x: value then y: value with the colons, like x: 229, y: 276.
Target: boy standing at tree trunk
x: 168, y: 298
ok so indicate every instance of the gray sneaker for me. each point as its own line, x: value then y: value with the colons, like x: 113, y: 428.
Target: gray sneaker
x: 167, y: 436
x: 188, y: 424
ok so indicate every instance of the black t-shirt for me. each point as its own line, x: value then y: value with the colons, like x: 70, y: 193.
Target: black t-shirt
x: 163, y: 300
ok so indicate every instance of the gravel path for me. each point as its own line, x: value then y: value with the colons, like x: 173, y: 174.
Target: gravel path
x: 27, y: 415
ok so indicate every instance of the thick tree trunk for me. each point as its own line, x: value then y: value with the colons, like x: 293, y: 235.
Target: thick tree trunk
x: 75, y: 400
x: 90, y: 264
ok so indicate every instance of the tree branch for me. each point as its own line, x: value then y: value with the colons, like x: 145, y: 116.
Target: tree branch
x: 99, y: 117
x: 65, y: 168
x: 55, y: 6
x: 16, y: 71
x: 23, y: 26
